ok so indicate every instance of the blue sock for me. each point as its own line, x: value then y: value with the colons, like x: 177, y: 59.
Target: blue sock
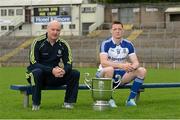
x: 135, y: 87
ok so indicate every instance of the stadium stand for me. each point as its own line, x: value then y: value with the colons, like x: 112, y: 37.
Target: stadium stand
x: 15, y: 49
x: 158, y: 48
x: 134, y: 34
x: 128, y: 26
x: 155, y: 48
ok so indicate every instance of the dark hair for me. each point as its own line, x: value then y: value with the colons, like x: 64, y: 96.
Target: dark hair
x: 116, y: 22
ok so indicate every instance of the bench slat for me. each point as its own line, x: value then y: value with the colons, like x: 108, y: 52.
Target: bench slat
x: 84, y: 87
x: 161, y: 85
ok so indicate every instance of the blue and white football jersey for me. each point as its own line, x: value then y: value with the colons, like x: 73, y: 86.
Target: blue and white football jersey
x: 117, y: 53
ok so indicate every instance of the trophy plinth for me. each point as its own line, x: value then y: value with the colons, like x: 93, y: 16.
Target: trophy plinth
x: 101, y: 105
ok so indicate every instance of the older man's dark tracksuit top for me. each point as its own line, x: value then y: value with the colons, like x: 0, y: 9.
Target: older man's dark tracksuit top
x: 45, y: 56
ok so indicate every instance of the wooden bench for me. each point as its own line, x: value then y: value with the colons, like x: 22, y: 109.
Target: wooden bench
x: 26, y: 90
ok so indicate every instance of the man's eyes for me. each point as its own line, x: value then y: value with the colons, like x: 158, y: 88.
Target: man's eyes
x: 56, y: 30
x: 116, y: 29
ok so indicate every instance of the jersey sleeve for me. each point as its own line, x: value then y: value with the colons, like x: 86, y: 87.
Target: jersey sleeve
x: 131, y: 48
x: 103, y: 48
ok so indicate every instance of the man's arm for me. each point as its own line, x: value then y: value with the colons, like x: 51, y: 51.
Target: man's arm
x: 105, y: 62
x: 35, y: 58
x: 67, y: 57
x: 134, y: 60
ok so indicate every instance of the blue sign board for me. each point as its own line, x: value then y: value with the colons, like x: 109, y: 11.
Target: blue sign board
x: 46, y: 19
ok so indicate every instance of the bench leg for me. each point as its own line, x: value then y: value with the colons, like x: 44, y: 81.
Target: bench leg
x: 26, y: 99
x: 138, y: 94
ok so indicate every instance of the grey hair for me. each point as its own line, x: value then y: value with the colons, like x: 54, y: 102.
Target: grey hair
x: 53, y: 21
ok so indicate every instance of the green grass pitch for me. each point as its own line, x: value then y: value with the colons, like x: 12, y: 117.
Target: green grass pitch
x: 154, y: 103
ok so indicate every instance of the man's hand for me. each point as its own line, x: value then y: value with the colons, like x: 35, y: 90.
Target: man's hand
x: 58, y: 72
x: 128, y: 67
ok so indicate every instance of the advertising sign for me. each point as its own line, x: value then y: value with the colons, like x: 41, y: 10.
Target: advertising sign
x: 46, y: 19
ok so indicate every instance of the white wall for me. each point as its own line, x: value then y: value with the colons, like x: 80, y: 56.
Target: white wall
x: 97, y: 17
x: 75, y: 20
x: 11, y: 20
x: 88, y: 17
x: 100, y: 14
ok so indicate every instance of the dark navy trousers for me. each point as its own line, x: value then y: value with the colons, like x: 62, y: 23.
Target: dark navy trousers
x: 41, y: 79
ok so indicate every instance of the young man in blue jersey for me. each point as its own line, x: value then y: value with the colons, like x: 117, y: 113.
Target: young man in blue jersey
x: 47, y: 52
x: 118, y: 57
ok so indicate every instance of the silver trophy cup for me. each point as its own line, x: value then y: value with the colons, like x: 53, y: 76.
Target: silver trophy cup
x: 101, y: 89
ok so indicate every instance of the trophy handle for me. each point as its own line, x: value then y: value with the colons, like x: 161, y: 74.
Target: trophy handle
x: 119, y: 82
x: 87, y: 80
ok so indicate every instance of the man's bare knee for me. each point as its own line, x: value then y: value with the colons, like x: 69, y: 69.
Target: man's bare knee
x: 141, y: 71
x: 108, y: 72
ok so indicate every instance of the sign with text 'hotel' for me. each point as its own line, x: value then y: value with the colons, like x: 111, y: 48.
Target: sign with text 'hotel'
x: 44, y: 15
x: 47, y: 19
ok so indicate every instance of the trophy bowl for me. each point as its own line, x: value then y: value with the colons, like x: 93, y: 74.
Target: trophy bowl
x: 101, y: 91
x: 101, y: 88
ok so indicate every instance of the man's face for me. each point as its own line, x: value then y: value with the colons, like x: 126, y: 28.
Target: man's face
x: 117, y: 31
x: 53, y: 31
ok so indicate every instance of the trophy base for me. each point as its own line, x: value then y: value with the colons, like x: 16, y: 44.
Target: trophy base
x: 101, y: 105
